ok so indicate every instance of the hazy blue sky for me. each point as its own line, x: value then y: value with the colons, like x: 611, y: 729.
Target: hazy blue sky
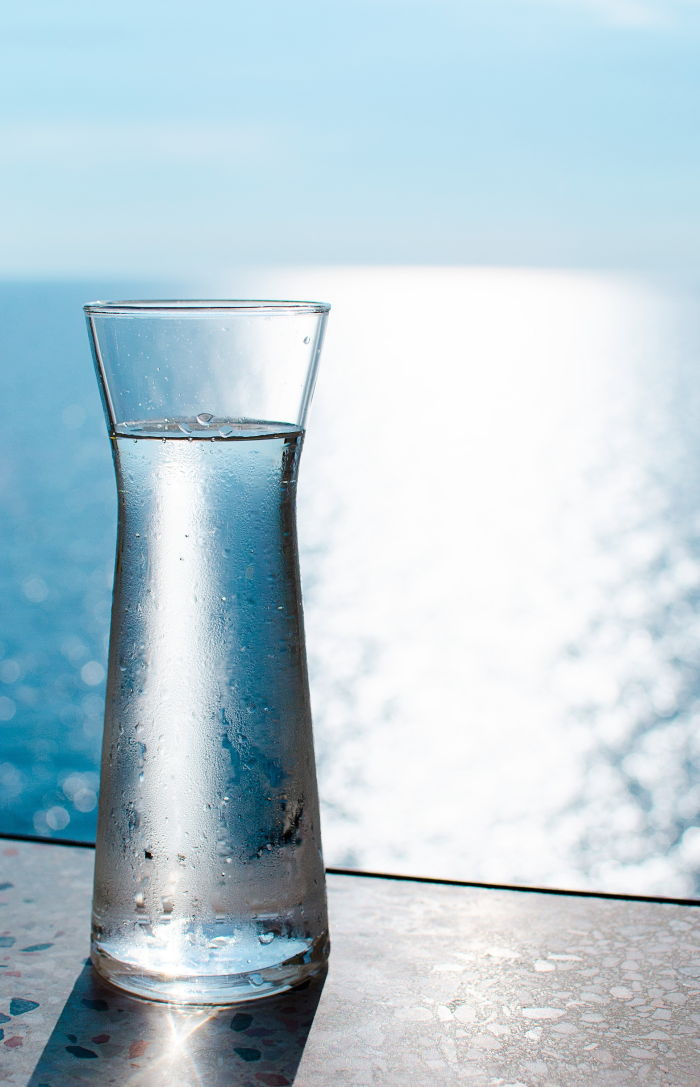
x: 180, y: 137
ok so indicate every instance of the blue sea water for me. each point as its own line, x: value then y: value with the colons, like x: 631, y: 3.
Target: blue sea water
x: 500, y: 549
x: 57, y: 532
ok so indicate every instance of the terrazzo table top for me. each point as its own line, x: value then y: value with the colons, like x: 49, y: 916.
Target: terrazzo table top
x: 430, y: 985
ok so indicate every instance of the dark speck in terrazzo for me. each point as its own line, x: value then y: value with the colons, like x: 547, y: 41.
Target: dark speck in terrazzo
x: 4, y: 1018
x: 79, y: 1052
x: 36, y: 947
x: 18, y: 1006
x: 247, y: 1054
x: 6, y: 886
x: 6, y: 941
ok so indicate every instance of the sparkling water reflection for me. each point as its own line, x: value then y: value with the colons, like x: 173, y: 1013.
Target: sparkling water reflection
x: 501, y: 557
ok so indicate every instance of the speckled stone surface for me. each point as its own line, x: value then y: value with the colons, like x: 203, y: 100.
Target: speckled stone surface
x: 428, y: 985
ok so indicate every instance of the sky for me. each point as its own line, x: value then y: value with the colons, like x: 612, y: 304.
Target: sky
x: 188, y: 139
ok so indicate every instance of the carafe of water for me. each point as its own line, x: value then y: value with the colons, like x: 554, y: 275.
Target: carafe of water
x: 209, y: 879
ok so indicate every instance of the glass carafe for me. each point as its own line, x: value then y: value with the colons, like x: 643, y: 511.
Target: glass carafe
x: 209, y: 878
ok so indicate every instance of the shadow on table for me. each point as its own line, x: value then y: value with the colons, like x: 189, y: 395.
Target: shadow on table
x: 104, y: 1037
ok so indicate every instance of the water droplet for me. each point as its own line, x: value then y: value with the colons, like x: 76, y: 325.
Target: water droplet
x: 167, y: 904
x: 140, y: 900
x: 266, y: 937
x: 307, y: 339
x: 226, y: 431
x: 184, y: 427
x: 204, y: 417
x: 141, y: 775
x: 257, y: 979
x: 268, y: 847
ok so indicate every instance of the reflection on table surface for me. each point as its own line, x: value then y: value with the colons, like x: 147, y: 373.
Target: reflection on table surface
x: 122, y: 1041
x: 500, y: 551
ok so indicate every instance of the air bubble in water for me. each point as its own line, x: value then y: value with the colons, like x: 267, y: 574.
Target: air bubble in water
x: 204, y: 417
x: 266, y: 937
x: 257, y: 979
x: 140, y: 900
x: 226, y: 431
x: 184, y: 427
x: 307, y: 339
x: 167, y: 904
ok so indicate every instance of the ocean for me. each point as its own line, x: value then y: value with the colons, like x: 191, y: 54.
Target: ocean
x: 500, y: 550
